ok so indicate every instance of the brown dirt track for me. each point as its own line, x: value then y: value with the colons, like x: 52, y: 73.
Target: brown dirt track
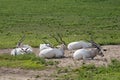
x: 113, y: 51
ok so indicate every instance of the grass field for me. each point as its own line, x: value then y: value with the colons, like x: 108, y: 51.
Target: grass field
x: 75, y: 18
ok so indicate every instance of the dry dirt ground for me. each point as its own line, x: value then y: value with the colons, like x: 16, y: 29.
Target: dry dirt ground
x: 113, y: 51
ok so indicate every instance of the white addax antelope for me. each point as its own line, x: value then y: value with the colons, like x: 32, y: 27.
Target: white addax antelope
x: 21, y: 49
x: 46, y: 45
x: 86, y: 53
x: 53, y: 52
x: 78, y: 45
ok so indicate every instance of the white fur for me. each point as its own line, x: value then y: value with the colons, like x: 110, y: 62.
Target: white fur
x: 16, y: 51
x: 52, y: 52
x: 44, y: 46
x: 25, y: 49
x: 87, y: 53
x: 78, y: 45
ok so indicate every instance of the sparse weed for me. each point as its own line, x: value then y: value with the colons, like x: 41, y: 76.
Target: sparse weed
x: 50, y: 62
x: 90, y: 72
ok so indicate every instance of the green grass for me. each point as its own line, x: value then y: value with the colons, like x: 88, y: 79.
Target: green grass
x: 75, y: 19
x: 72, y: 18
x: 22, y: 61
x: 90, y: 72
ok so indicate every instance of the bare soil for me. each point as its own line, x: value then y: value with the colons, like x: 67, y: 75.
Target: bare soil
x: 113, y: 52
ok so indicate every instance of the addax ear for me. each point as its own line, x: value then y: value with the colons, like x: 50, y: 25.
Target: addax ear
x: 104, y: 49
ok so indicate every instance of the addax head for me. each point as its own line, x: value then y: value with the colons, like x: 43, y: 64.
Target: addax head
x: 99, y: 49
